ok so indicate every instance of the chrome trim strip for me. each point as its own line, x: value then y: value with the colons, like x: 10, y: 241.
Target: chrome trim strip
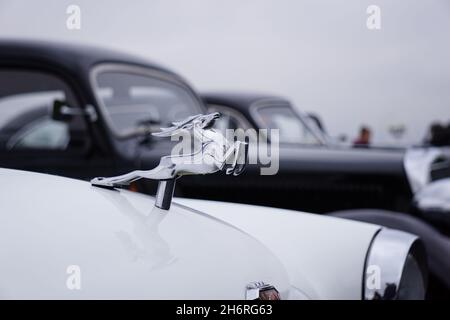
x: 386, y: 258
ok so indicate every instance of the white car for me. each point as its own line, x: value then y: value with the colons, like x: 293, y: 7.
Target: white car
x: 68, y: 239
x: 65, y: 239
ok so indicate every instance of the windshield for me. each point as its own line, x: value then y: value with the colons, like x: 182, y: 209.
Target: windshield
x: 292, y: 129
x: 133, y: 101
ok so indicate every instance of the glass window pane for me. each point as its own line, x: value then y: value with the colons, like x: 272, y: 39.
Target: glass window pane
x: 133, y: 100
x: 26, y: 101
x: 291, y: 127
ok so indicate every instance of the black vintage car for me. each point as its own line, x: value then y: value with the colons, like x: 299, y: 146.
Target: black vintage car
x: 79, y: 111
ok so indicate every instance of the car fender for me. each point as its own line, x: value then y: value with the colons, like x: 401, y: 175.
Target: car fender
x: 324, y: 256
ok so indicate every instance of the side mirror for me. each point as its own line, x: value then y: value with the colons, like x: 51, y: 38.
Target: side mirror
x: 62, y: 111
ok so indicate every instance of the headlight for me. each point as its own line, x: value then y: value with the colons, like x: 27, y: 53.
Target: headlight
x: 396, y: 267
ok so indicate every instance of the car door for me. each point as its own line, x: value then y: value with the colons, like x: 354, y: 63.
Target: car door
x: 30, y: 137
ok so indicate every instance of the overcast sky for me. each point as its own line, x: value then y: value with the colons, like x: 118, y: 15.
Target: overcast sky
x: 319, y: 54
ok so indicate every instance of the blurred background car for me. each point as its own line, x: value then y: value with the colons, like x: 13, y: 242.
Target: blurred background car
x: 79, y: 111
x: 325, y: 175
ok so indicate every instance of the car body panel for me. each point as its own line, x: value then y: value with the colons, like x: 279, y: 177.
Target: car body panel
x: 124, y: 246
x: 324, y: 257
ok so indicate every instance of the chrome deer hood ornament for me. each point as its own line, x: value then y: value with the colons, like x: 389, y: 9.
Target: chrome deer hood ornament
x: 216, y: 153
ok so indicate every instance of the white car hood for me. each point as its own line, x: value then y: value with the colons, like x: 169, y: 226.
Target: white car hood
x: 324, y: 256
x: 124, y: 247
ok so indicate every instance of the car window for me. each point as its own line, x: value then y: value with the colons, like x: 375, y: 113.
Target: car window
x: 26, y: 100
x: 291, y: 128
x: 226, y: 121
x: 133, y: 100
x: 42, y: 134
x: 230, y: 119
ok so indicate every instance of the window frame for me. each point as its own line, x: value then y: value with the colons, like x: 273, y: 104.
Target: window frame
x: 270, y: 103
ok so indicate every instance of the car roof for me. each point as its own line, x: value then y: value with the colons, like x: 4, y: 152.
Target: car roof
x: 71, y: 57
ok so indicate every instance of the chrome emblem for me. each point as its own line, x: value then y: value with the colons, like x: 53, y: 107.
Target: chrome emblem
x: 261, y: 291
x: 216, y: 154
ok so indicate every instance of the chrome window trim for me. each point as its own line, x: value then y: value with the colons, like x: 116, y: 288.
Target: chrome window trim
x: 389, y: 251
x: 133, y: 69
x: 269, y: 102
